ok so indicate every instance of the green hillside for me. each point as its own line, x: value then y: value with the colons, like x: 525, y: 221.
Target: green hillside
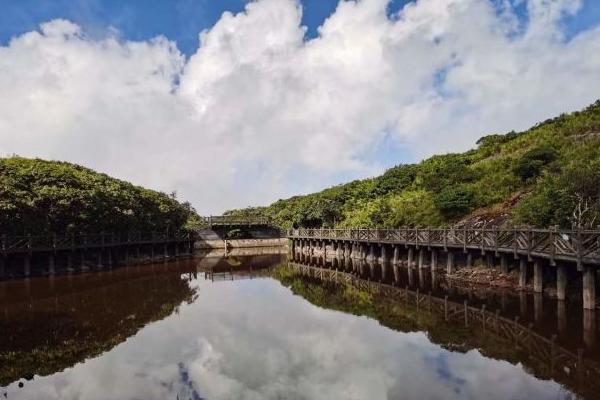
x: 39, y: 197
x: 547, y: 175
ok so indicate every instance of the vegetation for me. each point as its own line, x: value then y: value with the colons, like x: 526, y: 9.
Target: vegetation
x: 547, y: 175
x: 38, y: 196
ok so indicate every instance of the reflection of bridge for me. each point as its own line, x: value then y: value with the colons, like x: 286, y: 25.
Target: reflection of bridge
x: 547, y: 358
x: 549, y: 253
x: 230, y: 268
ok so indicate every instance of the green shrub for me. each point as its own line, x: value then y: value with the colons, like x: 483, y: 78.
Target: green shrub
x: 455, y: 201
x: 530, y: 165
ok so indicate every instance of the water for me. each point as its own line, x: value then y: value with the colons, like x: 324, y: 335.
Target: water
x: 235, y: 328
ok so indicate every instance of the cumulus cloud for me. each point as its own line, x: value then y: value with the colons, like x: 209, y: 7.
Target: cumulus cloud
x: 259, y: 112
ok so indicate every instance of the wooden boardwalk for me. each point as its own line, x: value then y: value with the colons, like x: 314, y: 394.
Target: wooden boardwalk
x: 581, y: 247
x: 22, y: 256
x: 552, y: 256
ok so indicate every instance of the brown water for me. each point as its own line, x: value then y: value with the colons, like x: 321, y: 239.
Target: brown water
x: 226, y: 328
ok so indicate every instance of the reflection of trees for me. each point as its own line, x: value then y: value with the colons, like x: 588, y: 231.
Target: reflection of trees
x: 50, y: 333
x: 406, y: 317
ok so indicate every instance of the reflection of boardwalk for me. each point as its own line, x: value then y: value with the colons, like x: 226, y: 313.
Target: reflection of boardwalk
x: 545, y: 356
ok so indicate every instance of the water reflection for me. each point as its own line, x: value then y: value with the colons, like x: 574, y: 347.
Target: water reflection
x: 238, y: 338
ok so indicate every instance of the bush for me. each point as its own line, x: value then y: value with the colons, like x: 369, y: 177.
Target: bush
x: 530, y: 165
x: 42, y: 197
x: 456, y: 201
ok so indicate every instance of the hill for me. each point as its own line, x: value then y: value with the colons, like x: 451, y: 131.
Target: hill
x: 547, y: 175
x: 42, y: 197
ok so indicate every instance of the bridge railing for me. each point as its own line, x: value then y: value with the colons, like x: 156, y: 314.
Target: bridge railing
x: 31, y: 243
x: 580, y: 245
x: 235, y: 220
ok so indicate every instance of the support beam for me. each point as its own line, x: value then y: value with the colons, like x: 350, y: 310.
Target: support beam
x: 504, y: 264
x: 410, y: 257
x: 589, y: 288
x: 538, y: 276
x: 450, y: 263
x: 490, y: 260
x: 522, y: 272
x: 384, y: 257
x: 434, y: 259
x: 561, y: 282
x: 396, y: 254
x: 421, y: 258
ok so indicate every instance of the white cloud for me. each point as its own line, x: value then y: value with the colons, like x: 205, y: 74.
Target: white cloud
x: 260, y: 113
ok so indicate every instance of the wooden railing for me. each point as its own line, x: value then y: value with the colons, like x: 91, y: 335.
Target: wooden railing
x: 581, y: 246
x: 33, y: 243
x: 559, y: 363
x: 234, y: 220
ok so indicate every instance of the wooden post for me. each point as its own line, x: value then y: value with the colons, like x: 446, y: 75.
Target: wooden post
x: 490, y: 259
x: 522, y: 272
x: 434, y: 259
x: 421, y: 258
x: 589, y: 288
x: 589, y: 327
x: 504, y: 264
x: 469, y: 259
x: 561, y: 282
x: 538, y: 276
x: 396, y: 255
x: 410, y: 257
x: 450, y: 263
x: 384, y: 258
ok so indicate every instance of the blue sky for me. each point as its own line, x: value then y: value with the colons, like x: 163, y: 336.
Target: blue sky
x: 178, y: 20
x: 182, y: 20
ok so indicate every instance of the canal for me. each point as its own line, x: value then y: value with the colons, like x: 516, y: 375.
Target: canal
x: 260, y: 327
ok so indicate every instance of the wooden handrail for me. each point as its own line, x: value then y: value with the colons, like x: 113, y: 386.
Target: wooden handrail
x: 581, y: 246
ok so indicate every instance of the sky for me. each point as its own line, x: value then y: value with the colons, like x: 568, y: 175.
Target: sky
x: 234, y: 103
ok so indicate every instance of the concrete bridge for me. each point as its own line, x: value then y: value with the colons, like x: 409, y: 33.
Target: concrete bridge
x: 552, y: 256
x: 234, y: 221
x: 22, y: 256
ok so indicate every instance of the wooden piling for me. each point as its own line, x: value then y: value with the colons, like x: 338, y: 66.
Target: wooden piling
x: 589, y: 288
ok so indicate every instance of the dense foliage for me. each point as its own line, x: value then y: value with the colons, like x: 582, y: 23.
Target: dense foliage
x: 547, y: 175
x: 38, y: 197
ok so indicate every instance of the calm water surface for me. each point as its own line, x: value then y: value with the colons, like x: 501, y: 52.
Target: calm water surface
x: 172, y: 331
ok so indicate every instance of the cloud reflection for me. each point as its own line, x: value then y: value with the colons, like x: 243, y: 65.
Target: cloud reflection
x: 254, y: 339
